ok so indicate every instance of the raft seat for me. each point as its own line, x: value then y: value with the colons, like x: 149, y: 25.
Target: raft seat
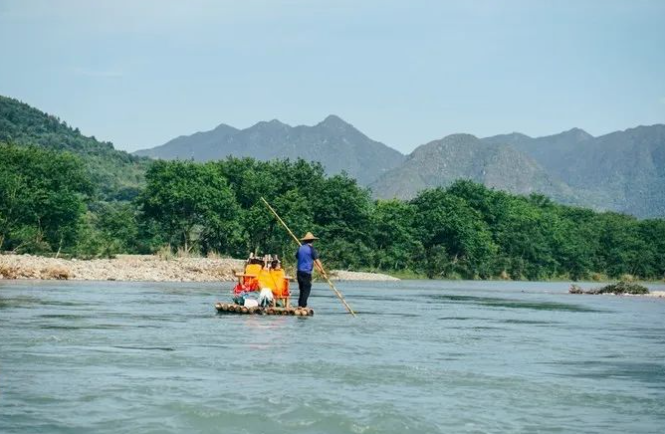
x: 280, y: 288
x: 256, y: 277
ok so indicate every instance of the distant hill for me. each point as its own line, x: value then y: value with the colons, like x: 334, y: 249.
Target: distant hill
x: 622, y: 171
x: 199, y: 146
x: 463, y: 156
x: 337, y: 145
x: 554, y: 152
x: 117, y: 174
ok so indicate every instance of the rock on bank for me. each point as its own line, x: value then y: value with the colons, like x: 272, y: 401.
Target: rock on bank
x: 344, y: 275
x: 124, y: 268
x: 139, y: 268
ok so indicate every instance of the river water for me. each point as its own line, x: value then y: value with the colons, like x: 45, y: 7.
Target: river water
x: 422, y: 357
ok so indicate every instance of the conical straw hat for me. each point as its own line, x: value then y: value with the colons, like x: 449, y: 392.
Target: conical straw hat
x: 308, y: 237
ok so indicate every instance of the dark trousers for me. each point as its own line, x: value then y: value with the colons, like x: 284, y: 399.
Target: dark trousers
x: 305, y: 286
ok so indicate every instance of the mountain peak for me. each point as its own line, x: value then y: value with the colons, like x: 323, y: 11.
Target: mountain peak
x: 334, y: 121
x: 459, y: 137
x: 511, y: 138
x: 578, y: 134
x: 515, y: 135
x: 456, y: 139
x: 225, y: 127
x: 274, y: 124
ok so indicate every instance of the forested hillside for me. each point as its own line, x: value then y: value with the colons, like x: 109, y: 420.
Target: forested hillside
x: 114, y: 174
x: 622, y: 171
x: 463, y: 156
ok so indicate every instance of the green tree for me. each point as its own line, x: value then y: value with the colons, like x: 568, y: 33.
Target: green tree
x: 394, y: 234
x: 192, y: 204
x: 341, y: 216
x: 42, y: 199
x: 621, y: 249
x: 652, y: 234
x: 110, y: 228
x: 455, y: 238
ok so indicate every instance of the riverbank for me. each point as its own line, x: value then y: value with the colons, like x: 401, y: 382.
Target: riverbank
x: 140, y: 268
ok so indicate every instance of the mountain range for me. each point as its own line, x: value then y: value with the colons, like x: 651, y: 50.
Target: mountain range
x: 622, y: 171
x: 338, y: 145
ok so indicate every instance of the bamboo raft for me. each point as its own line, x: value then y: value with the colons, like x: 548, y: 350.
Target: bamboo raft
x: 237, y: 309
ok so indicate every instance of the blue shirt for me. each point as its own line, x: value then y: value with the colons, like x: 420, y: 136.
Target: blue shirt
x: 306, y: 255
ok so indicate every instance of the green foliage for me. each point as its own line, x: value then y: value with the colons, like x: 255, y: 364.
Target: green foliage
x: 455, y: 238
x: 116, y: 175
x: 191, y: 204
x: 342, y: 214
x: 335, y: 208
x: 41, y: 199
x: 288, y: 185
x: 624, y: 288
x: 394, y: 233
x: 111, y: 228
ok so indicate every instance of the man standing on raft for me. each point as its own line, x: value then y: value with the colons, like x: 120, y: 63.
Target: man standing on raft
x: 307, y: 257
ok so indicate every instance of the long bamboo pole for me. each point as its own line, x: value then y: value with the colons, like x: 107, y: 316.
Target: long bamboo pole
x: 318, y: 266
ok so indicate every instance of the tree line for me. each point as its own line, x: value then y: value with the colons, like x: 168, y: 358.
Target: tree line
x: 49, y: 205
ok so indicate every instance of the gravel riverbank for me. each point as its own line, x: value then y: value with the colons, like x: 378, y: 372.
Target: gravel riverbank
x: 139, y: 268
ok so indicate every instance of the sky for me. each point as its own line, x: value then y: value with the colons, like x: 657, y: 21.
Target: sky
x: 141, y: 72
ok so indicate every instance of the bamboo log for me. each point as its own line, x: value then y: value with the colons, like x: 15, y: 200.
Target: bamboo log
x: 287, y: 311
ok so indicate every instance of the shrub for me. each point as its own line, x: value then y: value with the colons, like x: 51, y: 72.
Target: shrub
x: 165, y: 253
x: 598, y: 277
x: 627, y: 278
x: 57, y: 273
x: 624, y: 288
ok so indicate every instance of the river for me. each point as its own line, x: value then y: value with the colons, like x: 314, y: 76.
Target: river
x: 421, y: 357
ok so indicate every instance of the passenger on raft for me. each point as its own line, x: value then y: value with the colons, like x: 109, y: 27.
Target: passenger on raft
x: 307, y: 257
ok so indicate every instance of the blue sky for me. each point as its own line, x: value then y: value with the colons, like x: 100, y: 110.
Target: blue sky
x: 139, y: 73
